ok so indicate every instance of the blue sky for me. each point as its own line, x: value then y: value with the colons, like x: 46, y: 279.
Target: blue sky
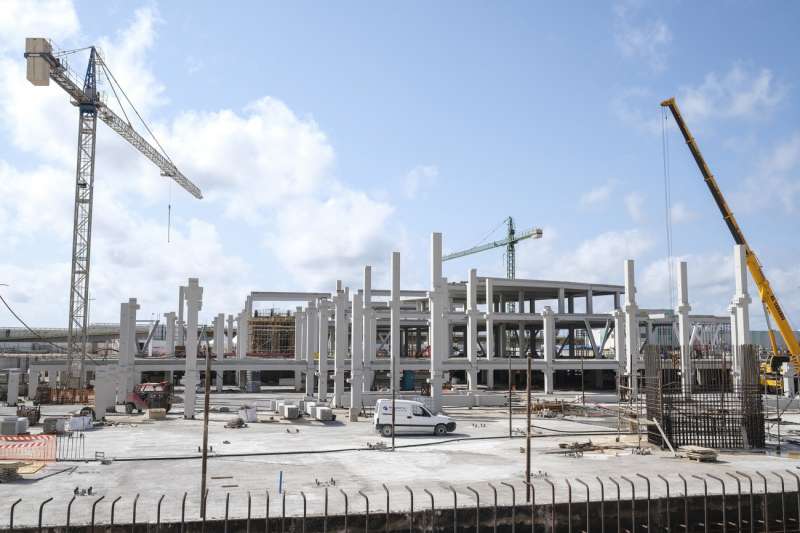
x: 326, y: 135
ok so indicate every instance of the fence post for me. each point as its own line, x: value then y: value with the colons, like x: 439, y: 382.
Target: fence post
x: 766, y: 502
x: 797, y: 509
x: 41, y: 511
x: 433, y: 510
x: 552, y: 505
x: 633, y: 504
x: 283, y: 511
x: 69, y: 513
x: 227, y: 504
x: 158, y: 513
x: 619, y: 504
x: 325, y: 510
x: 303, y: 494
x: 783, y: 502
x: 455, y: 509
x: 94, y: 505
x: 669, y: 501
x: 183, y: 513
x: 411, y: 515
x: 569, y: 505
x: 113, y: 505
x: 266, y: 512
x: 738, y: 501
x: 705, y: 501
x: 602, y: 505
x: 478, y: 508
x: 513, y: 505
x: 386, y: 521
x: 494, y: 491
x: 133, y: 522
x: 11, y: 514
x: 366, y: 515
x: 346, y: 510
x: 648, y: 498
x: 579, y: 480
x: 724, y: 503
x: 752, y: 511
x: 249, y: 510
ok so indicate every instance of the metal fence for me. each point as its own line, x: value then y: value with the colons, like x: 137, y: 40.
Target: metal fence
x: 635, y: 504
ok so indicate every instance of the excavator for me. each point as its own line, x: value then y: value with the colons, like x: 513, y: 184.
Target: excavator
x: 770, y: 369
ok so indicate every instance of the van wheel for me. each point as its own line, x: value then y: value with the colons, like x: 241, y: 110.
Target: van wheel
x: 440, y: 430
x: 386, y: 431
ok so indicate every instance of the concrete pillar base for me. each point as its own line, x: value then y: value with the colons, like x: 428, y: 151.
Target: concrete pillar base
x: 354, y: 413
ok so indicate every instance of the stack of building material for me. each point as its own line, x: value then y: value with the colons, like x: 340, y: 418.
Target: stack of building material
x: 156, y: 414
x: 309, y: 408
x: 699, y: 453
x: 290, y: 412
x: 80, y: 423
x: 54, y: 425
x: 8, y: 425
x: 323, y: 413
x: 22, y: 425
x: 9, y: 470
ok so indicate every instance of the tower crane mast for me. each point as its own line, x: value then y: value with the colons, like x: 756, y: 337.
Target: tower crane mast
x: 44, y: 65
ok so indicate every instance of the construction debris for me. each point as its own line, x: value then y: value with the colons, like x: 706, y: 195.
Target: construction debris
x: 699, y: 453
x: 236, y: 422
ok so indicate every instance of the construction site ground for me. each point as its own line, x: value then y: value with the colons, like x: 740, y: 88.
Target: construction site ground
x: 155, y: 458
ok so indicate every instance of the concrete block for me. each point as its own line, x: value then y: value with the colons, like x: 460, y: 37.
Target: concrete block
x: 290, y: 412
x: 248, y: 414
x: 22, y: 425
x: 54, y: 425
x: 309, y: 408
x: 156, y: 414
x: 323, y: 413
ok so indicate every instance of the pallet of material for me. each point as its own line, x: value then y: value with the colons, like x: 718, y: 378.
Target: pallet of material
x: 698, y: 453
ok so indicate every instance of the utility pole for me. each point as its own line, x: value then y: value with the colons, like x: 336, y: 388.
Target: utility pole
x: 207, y: 393
x: 528, y: 437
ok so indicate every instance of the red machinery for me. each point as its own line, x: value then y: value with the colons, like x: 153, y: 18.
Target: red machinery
x: 149, y: 396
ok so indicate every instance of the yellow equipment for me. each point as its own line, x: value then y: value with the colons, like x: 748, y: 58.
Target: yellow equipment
x: 768, y: 297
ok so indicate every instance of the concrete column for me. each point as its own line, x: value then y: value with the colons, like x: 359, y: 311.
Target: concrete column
x: 356, y: 357
x: 619, y: 340
x: 244, y: 332
x: 181, y: 304
x: 521, y: 302
x: 394, y: 327
x: 561, y: 300
x: 340, y: 344
x: 194, y: 303
x: 298, y: 333
x: 127, y: 348
x: 229, y: 336
x: 170, y: 318
x: 369, y: 330
x: 590, y: 301
x: 105, y: 386
x: 33, y: 382
x: 742, y: 298
x: 219, y: 346
x: 789, y: 388
x: 322, y: 384
x: 12, y: 390
x: 735, y: 344
x: 312, y: 338
x: 684, y: 331
x: 549, y: 337
x: 489, y: 320
x: 437, y: 324
x: 472, y: 330
x: 632, y: 346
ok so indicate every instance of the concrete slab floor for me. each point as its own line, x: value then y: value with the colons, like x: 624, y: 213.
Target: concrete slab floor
x: 160, y: 457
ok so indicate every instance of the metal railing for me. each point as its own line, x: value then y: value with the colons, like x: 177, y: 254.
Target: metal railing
x: 634, y: 503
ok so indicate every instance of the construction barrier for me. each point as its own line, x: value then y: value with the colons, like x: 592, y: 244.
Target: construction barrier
x: 27, y: 448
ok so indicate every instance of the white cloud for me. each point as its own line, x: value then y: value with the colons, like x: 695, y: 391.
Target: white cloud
x: 269, y: 171
x: 418, y: 178
x: 710, y: 279
x: 629, y: 107
x: 775, y: 182
x: 738, y: 93
x: 680, y: 213
x: 598, y: 195
x: 51, y: 19
x: 634, y: 204
x: 639, y: 37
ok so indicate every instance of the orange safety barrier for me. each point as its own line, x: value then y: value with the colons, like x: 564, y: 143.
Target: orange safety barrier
x: 28, y: 447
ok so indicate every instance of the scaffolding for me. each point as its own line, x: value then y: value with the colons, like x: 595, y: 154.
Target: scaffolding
x: 711, y: 409
x: 271, y: 336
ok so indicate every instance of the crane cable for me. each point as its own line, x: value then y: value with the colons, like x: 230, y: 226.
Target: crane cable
x: 667, y: 204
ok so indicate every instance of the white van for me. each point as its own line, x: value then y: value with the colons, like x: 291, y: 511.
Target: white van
x: 411, y: 417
